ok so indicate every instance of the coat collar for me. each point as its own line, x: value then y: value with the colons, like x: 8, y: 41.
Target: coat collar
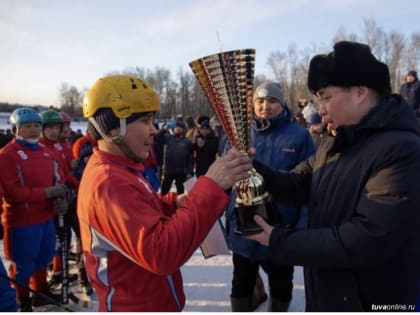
x: 391, y: 114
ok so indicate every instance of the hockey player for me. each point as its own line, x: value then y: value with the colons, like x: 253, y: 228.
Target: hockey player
x: 135, y: 241
x: 7, y: 292
x: 52, y: 125
x: 32, y: 191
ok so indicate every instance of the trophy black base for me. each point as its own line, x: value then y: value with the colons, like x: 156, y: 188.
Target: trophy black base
x: 245, y: 217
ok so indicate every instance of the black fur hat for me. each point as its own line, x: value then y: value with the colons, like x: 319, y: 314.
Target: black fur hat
x: 350, y: 64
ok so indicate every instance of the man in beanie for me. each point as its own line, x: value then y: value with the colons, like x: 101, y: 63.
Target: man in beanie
x: 134, y: 240
x: 362, y: 247
x: 410, y: 92
x: 281, y: 144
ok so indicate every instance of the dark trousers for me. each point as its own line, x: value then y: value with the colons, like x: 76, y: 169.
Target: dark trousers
x: 167, y: 183
x: 280, y: 278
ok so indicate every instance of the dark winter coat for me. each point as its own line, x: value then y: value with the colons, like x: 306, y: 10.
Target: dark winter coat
x: 159, y: 142
x: 178, y: 155
x: 410, y: 92
x: 362, y: 248
x: 205, y: 156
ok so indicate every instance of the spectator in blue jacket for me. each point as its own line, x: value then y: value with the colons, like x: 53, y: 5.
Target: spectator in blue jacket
x: 281, y: 144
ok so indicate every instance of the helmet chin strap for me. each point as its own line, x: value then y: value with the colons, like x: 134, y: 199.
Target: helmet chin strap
x: 118, y: 140
x: 123, y: 130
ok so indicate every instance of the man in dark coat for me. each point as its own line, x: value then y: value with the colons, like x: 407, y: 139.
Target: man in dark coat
x: 205, y: 147
x: 361, y: 251
x: 410, y: 92
x: 178, y: 161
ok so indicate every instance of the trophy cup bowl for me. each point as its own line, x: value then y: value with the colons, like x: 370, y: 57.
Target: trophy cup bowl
x: 227, y: 79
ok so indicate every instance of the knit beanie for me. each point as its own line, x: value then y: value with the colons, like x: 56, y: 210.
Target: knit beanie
x: 269, y: 89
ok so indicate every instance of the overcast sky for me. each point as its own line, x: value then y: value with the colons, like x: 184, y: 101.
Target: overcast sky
x: 44, y: 43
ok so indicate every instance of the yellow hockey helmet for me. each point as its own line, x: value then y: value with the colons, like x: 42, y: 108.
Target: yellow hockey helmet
x: 124, y: 94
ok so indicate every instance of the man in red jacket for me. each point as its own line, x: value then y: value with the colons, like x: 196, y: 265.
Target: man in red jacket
x: 32, y: 192
x: 134, y: 240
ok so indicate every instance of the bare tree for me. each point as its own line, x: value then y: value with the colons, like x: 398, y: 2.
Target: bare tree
x: 184, y: 95
x: 397, y: 43
x: 412, y: 55
x: 289, y: 68
x: 70, y: 99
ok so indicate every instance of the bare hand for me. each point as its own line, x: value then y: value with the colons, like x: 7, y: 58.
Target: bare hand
x: 264, y: 236
x: 180, y: 199
x: 231, y: 168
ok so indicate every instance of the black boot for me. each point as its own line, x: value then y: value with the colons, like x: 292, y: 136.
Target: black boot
x: 25, y: 305
x: 276, y: 305
x: 242, y: 304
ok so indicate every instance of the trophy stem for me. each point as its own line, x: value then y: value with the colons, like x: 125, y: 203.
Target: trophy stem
x: 245, y: 215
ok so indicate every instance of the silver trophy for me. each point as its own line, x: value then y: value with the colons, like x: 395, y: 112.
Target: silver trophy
x: 227, y: 79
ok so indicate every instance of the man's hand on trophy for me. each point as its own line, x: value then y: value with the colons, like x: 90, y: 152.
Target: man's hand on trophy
x: 264, y: 236
x: 231, y: 168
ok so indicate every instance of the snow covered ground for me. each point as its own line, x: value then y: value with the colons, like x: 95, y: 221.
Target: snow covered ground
x: 207, y: 286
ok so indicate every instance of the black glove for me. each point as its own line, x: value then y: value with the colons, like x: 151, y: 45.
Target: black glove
x: 60, y: 206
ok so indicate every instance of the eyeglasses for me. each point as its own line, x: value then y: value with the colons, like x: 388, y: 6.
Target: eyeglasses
x: 327, y: 96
